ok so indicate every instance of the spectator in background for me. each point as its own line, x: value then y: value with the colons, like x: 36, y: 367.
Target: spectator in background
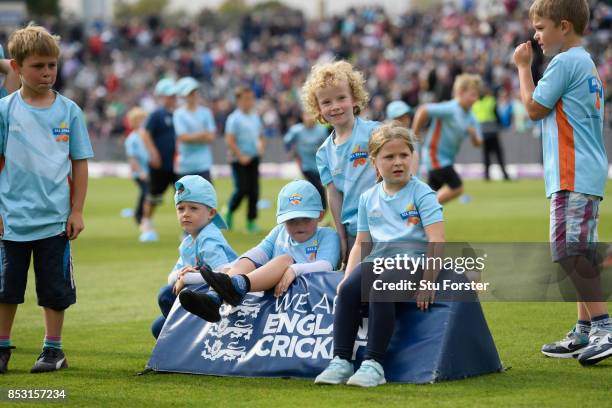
x: 138, y: 158
x: 195, y: 129
x: 400, y: 111
x: 303, y: 140
x: 245, y: 145
x: 485, y: 110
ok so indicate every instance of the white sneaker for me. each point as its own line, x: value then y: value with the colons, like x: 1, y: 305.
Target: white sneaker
x: 370, y: 374
x: 337, y: 372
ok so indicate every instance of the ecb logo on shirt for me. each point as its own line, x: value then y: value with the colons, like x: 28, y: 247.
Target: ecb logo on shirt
x: 295, y: 199
x: 596, y: 88
x: 411, y: 214
x: 358, y: 157
x: 311, y: 251
x: 62, y: 133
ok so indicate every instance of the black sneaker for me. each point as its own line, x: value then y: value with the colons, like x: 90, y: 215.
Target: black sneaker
x: 200, y: 305
x: 571, y: 346
x: 51, y: 359
x: 5, y: 356
x: 599, y: 348
x: 222, y: 284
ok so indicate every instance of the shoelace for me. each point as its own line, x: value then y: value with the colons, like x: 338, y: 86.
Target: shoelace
x: 50, y: 352
x: 571, y: 335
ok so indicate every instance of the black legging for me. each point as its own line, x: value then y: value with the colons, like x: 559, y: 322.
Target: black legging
x: 348, y: 316
x: 143, y: 189
x: 246, y: 183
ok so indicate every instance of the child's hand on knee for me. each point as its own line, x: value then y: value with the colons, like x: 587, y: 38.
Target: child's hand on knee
x: 286, y: 280
x: 424, y: 298
x: 178, y: 286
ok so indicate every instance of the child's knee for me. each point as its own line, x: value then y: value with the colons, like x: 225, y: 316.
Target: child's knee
x: 165, y: 298
x: 157, y: 326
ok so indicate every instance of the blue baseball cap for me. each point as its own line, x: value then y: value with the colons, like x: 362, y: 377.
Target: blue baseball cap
x: 186, y: 85
x: 298, y: 199
x: 165, y: 87
x: 198, y: 190
x: 396, y: 109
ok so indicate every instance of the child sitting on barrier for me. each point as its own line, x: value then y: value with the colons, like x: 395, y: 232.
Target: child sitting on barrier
x: 398, y: 209
x: 196, y: 210
x: 296, y: 246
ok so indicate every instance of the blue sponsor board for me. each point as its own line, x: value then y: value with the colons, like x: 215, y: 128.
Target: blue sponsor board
x: 292, y: 336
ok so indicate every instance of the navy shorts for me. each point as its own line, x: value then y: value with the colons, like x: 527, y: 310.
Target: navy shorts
x: 55, y: 286
x: 446, y: 175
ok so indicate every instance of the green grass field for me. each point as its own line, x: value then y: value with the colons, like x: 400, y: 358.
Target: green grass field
x: 107, y: 333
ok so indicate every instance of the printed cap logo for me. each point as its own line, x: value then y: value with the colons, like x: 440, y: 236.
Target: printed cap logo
x: 295, y: 199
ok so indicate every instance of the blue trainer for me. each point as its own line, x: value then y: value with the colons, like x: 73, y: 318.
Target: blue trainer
x: 570, y: 346
x: 370, y: 374
x: 337, y: 372
x: 599, y: 348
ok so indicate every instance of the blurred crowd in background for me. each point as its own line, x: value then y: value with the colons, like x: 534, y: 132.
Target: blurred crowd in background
x: 109, y: 68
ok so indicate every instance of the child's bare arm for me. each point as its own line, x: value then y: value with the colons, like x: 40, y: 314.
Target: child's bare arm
x: 230, y: 141
x: 75, y: 223
x: 196, y: 137
x: 476, y: 140
x: 435, y: 248
x: 523, y: 57
x: 335, y: 199
x: 136, y: 168
x: 154, y: 157
x: 420, y: 118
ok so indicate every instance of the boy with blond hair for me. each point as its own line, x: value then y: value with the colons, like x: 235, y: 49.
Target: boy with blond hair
x: 569, y: 101
x: 44, y: 151
x: 451, y: 123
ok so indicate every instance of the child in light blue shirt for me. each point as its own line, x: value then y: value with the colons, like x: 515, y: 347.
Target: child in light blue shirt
x: 138, y: 158
x: 44, y: 147
x: 245, y: 145
x: 399, y: 209
x: 335, y: 94
x: 297, y: 246
x: 196, y: 210
x: 451, y: 123
x: 569, y: 99
x: 195, y: 128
